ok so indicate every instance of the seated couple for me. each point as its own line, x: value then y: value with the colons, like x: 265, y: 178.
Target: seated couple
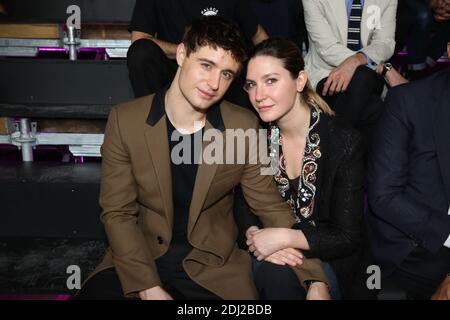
x: 171, y: 226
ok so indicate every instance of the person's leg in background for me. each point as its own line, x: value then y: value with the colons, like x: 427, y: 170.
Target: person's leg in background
x: 149, y: 68
x: 418, y: 39
x: 439, y: 41
x: 360, y: 105
x: 421, y: 272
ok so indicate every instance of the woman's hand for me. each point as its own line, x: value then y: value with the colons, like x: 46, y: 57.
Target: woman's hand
x: 289, y: 256
x: 265, y: 242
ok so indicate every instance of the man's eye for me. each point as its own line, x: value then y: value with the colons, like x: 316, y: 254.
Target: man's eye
x: 228, y: 75
x: 206, y: 66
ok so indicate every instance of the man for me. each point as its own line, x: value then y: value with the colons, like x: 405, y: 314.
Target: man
x: 157, y: 27
x: 347, y: 39
x: 409, y: 187
x: 170, y: 225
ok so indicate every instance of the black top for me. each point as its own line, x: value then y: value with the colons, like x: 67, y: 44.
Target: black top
x: 167, y: 19
x: 183, y: 177
x: 184, y: 171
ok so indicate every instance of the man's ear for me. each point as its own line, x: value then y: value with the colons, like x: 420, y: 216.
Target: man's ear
x: 302, y: 79
x: 181, y: 54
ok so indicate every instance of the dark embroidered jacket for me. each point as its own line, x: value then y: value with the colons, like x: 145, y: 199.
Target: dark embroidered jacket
x: 332, y: 180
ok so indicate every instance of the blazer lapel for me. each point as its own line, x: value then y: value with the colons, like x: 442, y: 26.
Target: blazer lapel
x: 203, y: 180
x: 157, y: 140
x: 340, y: 12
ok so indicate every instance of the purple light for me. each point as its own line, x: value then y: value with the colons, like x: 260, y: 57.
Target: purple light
x: 54, y: 49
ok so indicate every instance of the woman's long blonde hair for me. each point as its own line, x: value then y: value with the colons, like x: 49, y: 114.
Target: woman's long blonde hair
x: 291, y: 57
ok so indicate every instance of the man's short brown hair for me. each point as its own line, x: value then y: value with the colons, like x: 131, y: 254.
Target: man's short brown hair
x: 215, y: 31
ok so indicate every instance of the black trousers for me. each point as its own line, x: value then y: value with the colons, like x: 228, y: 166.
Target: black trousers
x: 360, y: 105
x: 150, y: 70
x: 275, y: 282
x: 106, y: 285
x: 420, y: 274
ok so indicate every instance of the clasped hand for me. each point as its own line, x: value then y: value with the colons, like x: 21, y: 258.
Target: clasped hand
x: 272, y: 245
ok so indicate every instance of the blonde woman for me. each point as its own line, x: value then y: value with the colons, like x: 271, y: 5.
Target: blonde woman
x: 320, y: 174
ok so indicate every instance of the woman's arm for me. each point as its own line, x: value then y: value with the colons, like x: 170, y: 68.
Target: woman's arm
x: 343, y: 230
x: 341, y: 235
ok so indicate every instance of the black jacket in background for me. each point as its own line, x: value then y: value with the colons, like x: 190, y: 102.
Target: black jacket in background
x: 409, y: 172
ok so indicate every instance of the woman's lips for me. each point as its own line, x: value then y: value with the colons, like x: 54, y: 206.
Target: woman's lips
x: 264, y: 108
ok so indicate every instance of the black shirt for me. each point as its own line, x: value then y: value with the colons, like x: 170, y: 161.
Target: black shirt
x: 167, y: 19
x: 183, y: 181
x: 183, y: 178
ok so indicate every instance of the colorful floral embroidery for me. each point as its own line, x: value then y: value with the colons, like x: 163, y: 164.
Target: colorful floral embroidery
x: 302, y: 200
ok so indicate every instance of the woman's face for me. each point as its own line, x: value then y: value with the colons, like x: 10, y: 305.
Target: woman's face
x: 270, y: 87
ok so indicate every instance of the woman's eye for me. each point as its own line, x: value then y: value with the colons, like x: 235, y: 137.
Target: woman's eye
x: 248, y: 86
x: 271, y: 80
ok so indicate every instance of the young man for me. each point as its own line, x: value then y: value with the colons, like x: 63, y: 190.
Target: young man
x: 170, y: 225
x: 157, y: 27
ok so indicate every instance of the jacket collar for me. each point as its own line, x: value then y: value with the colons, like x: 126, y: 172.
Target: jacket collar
x: 158, y: 110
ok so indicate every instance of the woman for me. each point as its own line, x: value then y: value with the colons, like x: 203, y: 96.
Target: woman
x: 319, y: 172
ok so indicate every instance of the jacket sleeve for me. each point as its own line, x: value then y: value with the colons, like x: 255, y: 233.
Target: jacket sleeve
x: 389, y: 174
x: 322, y: 36
x: 342, y: 233
x: 382, y: 42
x: 132, y: 259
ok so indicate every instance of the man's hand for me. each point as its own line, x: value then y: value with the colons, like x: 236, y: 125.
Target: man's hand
x: 340, y: 77
x: 443, y: 291
x: 318, y: 291
x: 250, y: 232
x: 441, y: 10
x: 155, y: 293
